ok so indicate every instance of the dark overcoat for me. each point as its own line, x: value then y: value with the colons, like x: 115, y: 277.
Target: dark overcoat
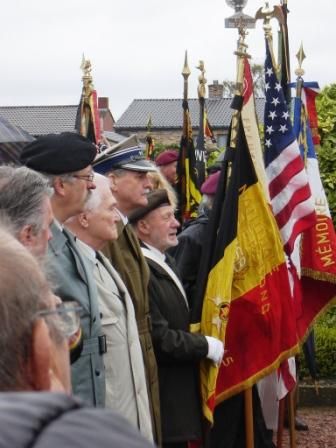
x: 178, y: 352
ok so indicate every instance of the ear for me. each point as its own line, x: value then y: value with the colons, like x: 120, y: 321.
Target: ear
x: 59, y: 186
x: 40, y: 360
x: 26, y: 235
x: 143, y: 227
x: 83, y: 219
x: 113, y: 182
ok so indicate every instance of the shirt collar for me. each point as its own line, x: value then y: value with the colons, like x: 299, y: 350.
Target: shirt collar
x: 123, y: 217
x: 156, y: 251
x: 87, y: 250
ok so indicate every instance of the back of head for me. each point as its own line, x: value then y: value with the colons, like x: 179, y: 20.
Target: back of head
x: 22, y: 197
x: 40, y: 420
x: 23, y: 291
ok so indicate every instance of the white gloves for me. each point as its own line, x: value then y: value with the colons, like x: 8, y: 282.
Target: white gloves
x: 216, y: 349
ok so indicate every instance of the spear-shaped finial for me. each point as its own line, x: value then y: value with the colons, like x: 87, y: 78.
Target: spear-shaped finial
x: 300, y: 56
x: 185, y: 73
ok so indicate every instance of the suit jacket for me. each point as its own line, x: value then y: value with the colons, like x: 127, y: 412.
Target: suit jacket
x: 126, y: 387
x: 126, y: 257
x: 72, y: 277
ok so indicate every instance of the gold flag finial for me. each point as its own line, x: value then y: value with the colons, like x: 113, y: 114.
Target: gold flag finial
x: 87, y: 77
x: 201, y: 80
x: 186, y: 71
x: 266, y: 13
x: 300, y: 56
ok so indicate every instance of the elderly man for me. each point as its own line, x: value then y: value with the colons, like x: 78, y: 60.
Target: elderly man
x: 126, y: 389
x: 127, y: 170
x: 177, y: 350
x: 167, y: 163
x: 66, y: 160
x: 25, y: 207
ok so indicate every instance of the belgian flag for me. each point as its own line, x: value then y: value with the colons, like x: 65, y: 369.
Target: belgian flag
x: 244, y: 292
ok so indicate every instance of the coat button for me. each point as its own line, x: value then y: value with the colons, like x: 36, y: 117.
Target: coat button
x: 97, y: 372
x: 94, y: 319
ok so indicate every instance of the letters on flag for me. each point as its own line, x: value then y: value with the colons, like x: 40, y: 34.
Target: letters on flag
x: 247, y: 301
x: 318, y: 245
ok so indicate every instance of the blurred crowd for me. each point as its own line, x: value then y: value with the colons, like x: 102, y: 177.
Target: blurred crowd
x: 97, y: 281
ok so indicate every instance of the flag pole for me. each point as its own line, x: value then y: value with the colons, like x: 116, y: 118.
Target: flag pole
x: 266, y: 14
x: 242, y: 22
x: 201, y: 159
x: 185, y: 73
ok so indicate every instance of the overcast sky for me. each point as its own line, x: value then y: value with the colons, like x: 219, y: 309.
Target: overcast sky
x: 137, y: 47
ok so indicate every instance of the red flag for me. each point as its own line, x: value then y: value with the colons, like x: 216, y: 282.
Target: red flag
x: 318, y: 245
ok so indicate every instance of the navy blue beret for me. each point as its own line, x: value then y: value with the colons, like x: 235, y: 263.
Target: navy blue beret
x: 59, y: 153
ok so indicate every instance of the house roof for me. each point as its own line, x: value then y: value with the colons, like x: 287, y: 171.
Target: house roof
x: 167, y: 113
x: 12, y: 140
x: 41, y: 120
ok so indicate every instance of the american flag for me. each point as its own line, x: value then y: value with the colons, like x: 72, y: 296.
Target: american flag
x: 290, y: 194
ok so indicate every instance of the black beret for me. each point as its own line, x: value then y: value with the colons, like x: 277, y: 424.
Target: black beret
x: 156, y: 199
x: 59, y: 153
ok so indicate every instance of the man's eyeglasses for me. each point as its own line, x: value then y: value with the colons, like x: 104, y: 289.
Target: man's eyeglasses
x: 67, y: 317
x: 87, y: 177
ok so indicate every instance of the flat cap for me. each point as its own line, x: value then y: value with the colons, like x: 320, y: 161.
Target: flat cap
x: 166, y: 157
x: 59, y: 153
x: 211, y: 183
x: 156, y: 199
x: 131, y: 158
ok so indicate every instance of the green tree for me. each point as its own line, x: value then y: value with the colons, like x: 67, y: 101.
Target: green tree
x: 326, y: 110
x: 257, y: 71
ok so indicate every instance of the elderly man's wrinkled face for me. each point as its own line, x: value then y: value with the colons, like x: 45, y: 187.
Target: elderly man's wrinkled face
x: 130, y: 189
x: 102, y: 221
x: 162, y: 228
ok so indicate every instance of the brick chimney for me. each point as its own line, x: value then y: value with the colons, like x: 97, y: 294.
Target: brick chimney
x: 216, y: 90
x: 103, y: 102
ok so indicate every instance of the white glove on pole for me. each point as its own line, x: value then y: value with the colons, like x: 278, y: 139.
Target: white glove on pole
x: 215, y: 350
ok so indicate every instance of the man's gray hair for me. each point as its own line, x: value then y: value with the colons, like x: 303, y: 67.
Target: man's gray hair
x: 22, y: 198
x: 24, y: 291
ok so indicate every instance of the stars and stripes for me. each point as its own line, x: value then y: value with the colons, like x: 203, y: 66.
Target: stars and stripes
x: 289, y: 189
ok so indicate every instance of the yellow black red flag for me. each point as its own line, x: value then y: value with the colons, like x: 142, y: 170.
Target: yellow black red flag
x: 243, y: 283
x: 87, y: 118
x: 188, y: 187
